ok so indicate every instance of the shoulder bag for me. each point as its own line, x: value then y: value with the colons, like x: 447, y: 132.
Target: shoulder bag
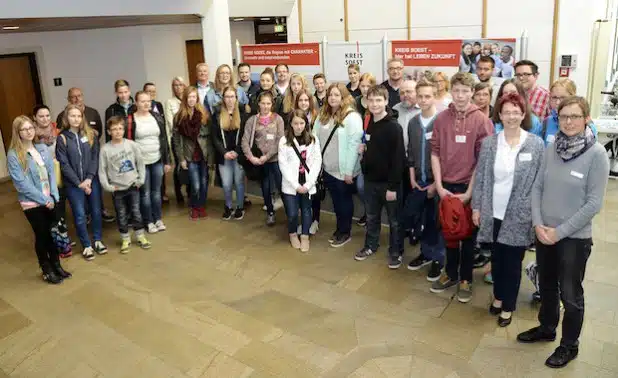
x: 319, y: 184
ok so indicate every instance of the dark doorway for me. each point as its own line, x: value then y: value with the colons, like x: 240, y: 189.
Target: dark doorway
x: 195, y: 56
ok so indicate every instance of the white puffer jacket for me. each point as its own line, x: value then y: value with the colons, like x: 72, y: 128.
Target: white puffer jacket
x: 289, y: 164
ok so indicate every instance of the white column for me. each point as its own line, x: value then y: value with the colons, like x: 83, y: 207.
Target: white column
x: 216, y: 35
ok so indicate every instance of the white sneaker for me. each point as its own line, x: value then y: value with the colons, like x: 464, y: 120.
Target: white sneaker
x: 152, y: 229
x: 264, y: 208
x: 315, y: 226
x: 278, y: 204
x: 160, y: 226
x: 88, y: 253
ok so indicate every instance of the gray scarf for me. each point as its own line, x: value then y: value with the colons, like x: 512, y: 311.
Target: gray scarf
x: 568, y: 148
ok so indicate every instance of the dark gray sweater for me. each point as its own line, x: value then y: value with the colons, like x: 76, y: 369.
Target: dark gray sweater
x: 419, y: 147
x: 567, y: 195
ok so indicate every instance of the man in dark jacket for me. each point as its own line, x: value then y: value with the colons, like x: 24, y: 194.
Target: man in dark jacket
x: 76, y: 97
x: 244, y: 74
x: 382, y: 164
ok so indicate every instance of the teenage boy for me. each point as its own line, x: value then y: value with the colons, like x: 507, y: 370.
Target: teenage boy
x: 382, y: 164
x: 395, y: 79
x: 527, y: 73
x: 455, y: 145
x: 250, y: 87
x: 485, y: 68
x: 422, y: 201
x: 122, y: 171
x: 319, y: 82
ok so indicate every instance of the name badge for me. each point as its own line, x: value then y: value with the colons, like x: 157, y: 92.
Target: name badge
x: 551, y: 138
x: 526, y: 156
x: 367, y: 137
x: 429, y: 134
x: 84, y: 139
x: 577, y: 174
x: 270, y: 136
x: 93, y: 123
x: 460, y: 139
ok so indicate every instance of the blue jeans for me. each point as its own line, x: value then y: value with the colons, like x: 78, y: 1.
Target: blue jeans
x: 198, y: 179
x: 341, y: 194
x: 422, y: 212
x: 150, y: 193
x: 292, y: 204
x: 127, y: 205
x: 232, y: 174
x: 78, y: 200
x: 271, y: 173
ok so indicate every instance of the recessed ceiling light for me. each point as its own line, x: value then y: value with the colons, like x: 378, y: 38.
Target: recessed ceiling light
x: 10, y: 27
x: 239, y: 19
x: 265, y: 18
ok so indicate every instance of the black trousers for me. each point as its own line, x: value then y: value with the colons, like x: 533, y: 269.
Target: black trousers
x: 41, y: 219
x: 506, y: 261
x: 561, y: 272
x: 375, y: 201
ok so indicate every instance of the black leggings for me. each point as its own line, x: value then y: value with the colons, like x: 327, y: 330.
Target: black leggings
x: 41, y: 219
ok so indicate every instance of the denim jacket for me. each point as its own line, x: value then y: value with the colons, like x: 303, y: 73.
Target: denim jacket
x: 78, y: 160
x: 28, y: 183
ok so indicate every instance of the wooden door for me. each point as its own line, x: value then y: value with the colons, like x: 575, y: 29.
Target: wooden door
x: 195, y: 56
x: 19, y: 91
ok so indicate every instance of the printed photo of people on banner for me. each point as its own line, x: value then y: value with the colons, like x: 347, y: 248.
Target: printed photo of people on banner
x: 502, y: 51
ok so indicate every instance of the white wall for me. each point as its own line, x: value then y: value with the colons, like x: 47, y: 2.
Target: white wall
x: 322, y: 18
x: 243, y: 32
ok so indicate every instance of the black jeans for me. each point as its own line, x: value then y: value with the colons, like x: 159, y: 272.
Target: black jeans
x: 61, y: 205
x: 506, y: 263
x: 561, y: 272
x: 460, y: 260
x: 127, y: 205
x: 341, y: 195
x: 375, y: 200
x: 41, y: 219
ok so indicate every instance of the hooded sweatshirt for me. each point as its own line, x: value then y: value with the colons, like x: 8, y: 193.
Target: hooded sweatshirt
x: 383, y: 160
x: 456, y: 140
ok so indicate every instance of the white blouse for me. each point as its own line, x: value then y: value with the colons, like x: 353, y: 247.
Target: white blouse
x: 504, y: 173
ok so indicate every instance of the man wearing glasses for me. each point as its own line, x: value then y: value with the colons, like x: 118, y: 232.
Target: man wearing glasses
x: 76, y: 97
x: 395, y: 79
x: 527, y: 73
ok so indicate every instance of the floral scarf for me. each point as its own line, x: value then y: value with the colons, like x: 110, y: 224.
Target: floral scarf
x: 190, y: 127
x: 568, y: 148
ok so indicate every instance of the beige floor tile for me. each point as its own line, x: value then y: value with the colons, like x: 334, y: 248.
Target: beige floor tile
x: 395, y: 367
x: 224, y: 366
x: 609, y: 357
x: 11, y: 322
x: 274, y: 361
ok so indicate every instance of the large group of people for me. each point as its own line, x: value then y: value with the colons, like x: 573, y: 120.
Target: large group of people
x: 456, y: 163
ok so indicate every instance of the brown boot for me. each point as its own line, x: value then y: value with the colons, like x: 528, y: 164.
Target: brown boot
x: 294, y: 241
x: 304, y: 243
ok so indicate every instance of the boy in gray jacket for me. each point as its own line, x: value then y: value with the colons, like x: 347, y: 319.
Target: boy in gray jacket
x: 122, y: 172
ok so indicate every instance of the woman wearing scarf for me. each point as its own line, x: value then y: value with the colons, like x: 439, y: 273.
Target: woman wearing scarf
x: 567, y: 194
x: 193, y: 144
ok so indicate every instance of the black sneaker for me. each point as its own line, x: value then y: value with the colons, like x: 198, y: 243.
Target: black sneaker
x: 341, y: 240
x: 333, y: 237
x: 561, y: 357
x: 239, y: 213
x: 536, y: 297
x: 419, y: 262
x: 362, y: 222
x: 434, y: 271
x: 227, y: 214
x: 107, y: 217
x: 363, y: 254
x: 534, y: 335
x: 480, y: 261
x: 247, y: 202
x: 394, y: 262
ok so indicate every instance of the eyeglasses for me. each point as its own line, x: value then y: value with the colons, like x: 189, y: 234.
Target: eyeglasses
x: 573, y: 117
x: 556, y: 98
x: 524, y: 74
x: 511, y: 114
x: 27, y: 129
x: 395, y: 68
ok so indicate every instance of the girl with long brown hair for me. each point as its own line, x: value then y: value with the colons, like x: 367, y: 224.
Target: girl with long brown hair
x: 77, y: 150
x: 297, y: 84
x: 227, y: 131
x: 267, y: 84
x: 306, y: 102
x: 339, y: 129
x: 31, y: 168
x: 194, y: 146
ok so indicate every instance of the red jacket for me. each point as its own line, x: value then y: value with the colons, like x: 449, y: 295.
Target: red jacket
x: 456, y: 221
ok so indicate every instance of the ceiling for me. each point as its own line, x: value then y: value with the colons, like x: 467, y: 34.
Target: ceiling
x: 32, y: 25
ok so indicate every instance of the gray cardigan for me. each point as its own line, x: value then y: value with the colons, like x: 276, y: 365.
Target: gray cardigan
x: 516, y: 229
x: 419, y: 146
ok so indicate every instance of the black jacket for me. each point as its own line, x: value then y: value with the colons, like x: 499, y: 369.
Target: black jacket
x: 163, y: 145
x: 116, y: 109
x: 254, y: 88
x: 157, y: 107
x: 384, y: 157
x: 393, y: 94
x: 92, y: 117
x: 225, y: 141
x: 355, y: 93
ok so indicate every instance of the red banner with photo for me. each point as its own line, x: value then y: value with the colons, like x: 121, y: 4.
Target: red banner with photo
x: 292, y: 54
x: 429, y: 53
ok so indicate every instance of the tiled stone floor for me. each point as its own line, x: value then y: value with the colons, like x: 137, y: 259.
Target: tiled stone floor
x: 231, y: 299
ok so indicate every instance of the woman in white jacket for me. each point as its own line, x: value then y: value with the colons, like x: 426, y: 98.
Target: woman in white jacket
x: 300, y: 160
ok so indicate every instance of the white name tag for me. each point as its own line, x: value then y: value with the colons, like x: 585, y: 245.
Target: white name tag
x: 270, y: 136
x: 526, y: 156
x: 551, y: 138
x: 429, y: 134
x: 460, y: 138
x: 367, y: 137
x: 577, y: 174
x: 84, y: 139
x: 93, y: 123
